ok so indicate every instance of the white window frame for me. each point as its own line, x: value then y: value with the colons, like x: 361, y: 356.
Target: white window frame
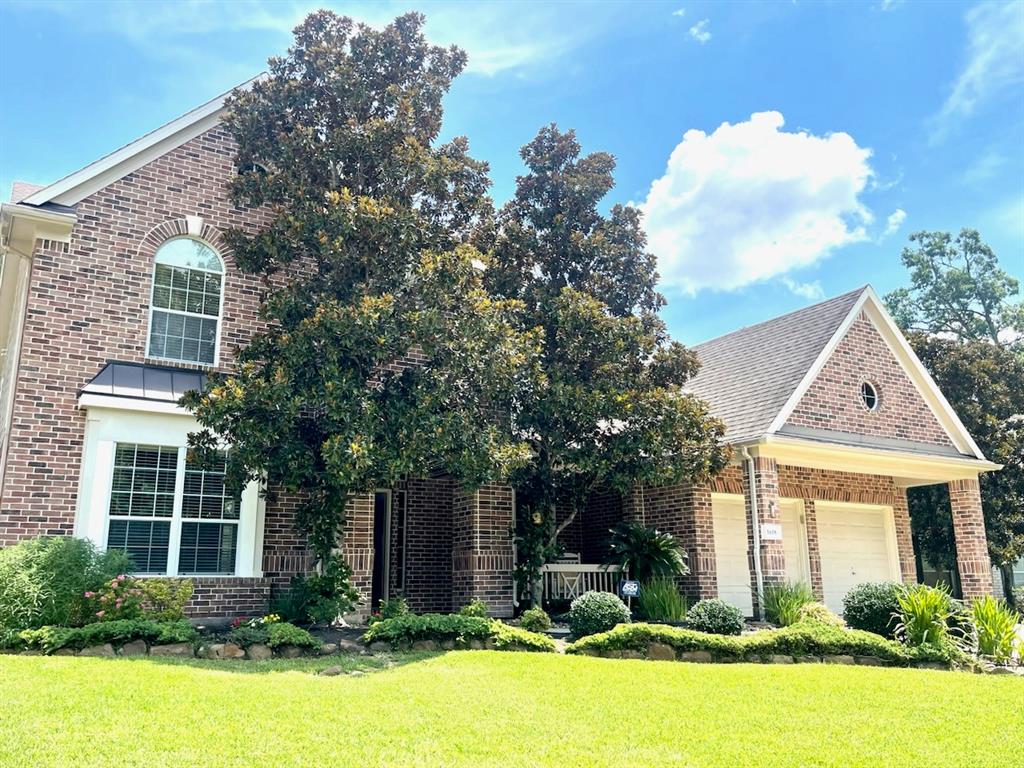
x: 105, y: 428
x: 220, y: 309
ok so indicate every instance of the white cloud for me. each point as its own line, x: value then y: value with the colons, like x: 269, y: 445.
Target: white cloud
x: 680, y: 12
x: 894, y: 222
x: 699, y: 31
x: 750, y: 202
x: 811, y: 291
x: 891, y: 5
x: 994, y: 62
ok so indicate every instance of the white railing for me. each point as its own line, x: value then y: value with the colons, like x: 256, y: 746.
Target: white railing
x: 565, y: 581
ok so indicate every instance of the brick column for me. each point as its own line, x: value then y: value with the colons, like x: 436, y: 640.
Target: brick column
x: 357, y: 547
x: 904, y: 540
x: 969, y: 532
x: 482, y: 554
x: 766, y: 484
x: 813, y: 549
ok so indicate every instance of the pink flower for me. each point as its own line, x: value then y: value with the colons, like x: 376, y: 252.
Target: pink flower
x: 118, y: 603
x: 100, y: 613
x: 122, y: 577
x: 90, y: 594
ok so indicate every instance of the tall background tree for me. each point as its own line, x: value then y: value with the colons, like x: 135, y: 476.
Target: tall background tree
x: 962, y: 320
x: 367, y: 266
x: 606, y: 409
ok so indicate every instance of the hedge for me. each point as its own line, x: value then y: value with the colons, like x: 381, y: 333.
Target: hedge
x: 50, y: 639
x: 802, y: 639
x: 460, y: 630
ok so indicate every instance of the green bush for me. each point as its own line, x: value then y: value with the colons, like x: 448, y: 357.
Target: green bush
x: 166, y: 598
x: 508, y: 638
x: 43, y: 581
x: 403, y: 631
x: 1018, y: 597
x: 318, y: 598
x: 646, y: 553
x: 594, y: 612
x: 716, y: 617
x: 818, y: 612
x: 244, y: 636
x: 923, y: 615
x: 802, y: 639
x: 476, y: 608
x: 782, y: 602
x: 535, y: 620
x: 282, y: 633
x: 117, y: 632
x: 873, y: 607
x: 661, y: 600
x: 996, y: 624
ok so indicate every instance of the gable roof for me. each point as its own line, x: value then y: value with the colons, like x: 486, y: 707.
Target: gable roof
x: 119, y: 163
x: 753, y: 378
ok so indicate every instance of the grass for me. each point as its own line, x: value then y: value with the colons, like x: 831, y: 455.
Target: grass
x: 479, y: 708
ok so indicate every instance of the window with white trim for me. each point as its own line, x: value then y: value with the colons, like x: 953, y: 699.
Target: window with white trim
x: 170, y: 527
x: 186, y: 302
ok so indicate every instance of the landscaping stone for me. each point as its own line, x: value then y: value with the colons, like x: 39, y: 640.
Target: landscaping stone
x: 807, y: 659
x: 172, y: 649
x: 289, y: 651
x: 475, y: 645
x: 838, y: 659
x: 1002, y: 671
x: 424, y: 645
x: 629, y: 653
x: 98, y: 650
x: 65, y: 652
x: 350, y: 646
x: 259, y: 652
x: 232, y: 651
x: 931, y: 665
x: 331, y: 672
x: 134, y: 648
x: 447, y: 645
x: 328, y: 648
x: 779, y: 658
x: 869, y: 661
x: 696, y: 656
x: 356, y: 673
x: 661, y: 652
x: 379, y: 646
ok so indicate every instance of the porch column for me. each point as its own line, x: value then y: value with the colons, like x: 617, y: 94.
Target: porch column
x: 904, y: 540
x: 969, y: 533
x: 766, y: 487
x: 357, y: 547
x: 813, y: 550
x: 482, y: 554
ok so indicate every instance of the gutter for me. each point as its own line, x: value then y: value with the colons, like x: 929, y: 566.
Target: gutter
x: 756, y: 527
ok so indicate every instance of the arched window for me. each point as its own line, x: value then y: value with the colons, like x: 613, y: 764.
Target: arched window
x: 185, y: 309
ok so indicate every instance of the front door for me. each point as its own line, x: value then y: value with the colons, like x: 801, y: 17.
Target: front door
x: 381, y: 548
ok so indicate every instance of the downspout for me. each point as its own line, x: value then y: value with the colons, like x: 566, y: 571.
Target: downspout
x: 756, y: 527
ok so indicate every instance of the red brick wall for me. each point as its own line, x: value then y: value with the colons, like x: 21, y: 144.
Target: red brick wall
x: 971, y: 545
x: 602, y: 513
x: 833, y: 400
x: 220, y: 597
x: 428, y: 543
x: 482, y: 555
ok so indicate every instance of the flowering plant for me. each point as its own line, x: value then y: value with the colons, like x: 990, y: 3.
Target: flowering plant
x: 119, y: 598
x: 255, y: 622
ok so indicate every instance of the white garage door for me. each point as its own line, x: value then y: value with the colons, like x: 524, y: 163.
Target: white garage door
x: 733, y: 569
x: 857, y: 544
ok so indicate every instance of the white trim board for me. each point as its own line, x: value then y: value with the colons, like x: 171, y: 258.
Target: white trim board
x: 880, y: 318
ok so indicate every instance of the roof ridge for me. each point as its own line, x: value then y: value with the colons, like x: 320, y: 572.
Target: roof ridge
x: 809, y: 307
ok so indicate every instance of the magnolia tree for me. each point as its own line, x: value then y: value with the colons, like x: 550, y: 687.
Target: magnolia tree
x: 382, y: 355
x: 606, y: 408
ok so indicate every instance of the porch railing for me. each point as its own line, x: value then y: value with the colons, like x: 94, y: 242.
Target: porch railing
x: 565, y: 581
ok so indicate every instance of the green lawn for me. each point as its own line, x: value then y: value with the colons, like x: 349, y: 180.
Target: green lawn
x: 478, y: 708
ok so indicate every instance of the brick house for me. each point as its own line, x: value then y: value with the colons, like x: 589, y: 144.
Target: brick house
x: 118, y: 295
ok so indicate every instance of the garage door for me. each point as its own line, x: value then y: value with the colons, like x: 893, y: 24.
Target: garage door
x: 857, y: 544
x: 733, y: 569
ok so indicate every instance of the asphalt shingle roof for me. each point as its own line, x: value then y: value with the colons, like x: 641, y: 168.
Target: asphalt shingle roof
x: 748, y: 375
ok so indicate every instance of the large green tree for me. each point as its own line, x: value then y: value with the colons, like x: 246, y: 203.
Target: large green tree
x: 966, y: 327
x: 607, y: 409
x: 382, y: 355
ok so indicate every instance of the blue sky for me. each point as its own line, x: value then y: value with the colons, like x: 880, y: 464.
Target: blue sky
x: 782, y: 152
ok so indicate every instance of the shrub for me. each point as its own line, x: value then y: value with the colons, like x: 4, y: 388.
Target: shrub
x: 819, y: 613
x: 245, y: 636
x: 474, y: 608
x: 44, y: 581
x: 1018, y: 597
x: 396, y: 606
x: 166, y: 598
x: 282, y: 633
x: 801, y: 639
x: 535, y: 620
x: 319, y: 598
x: 782, y: 602
x: 646, y: 553
x: 116, y: 632
x: 715, y: 617
x: 661, y: 600
x: 117, y: 599
x: 872, y: 607
x: 923, y: 615
x: 404, y: 630
x: 594, y: 612
x: 508, y: 638
x: 996, y: 623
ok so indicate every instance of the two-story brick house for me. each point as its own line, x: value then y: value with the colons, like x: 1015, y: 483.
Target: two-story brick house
x: 118, y: 294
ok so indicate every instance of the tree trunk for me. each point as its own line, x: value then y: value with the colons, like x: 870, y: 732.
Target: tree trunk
x: 1006, y: 575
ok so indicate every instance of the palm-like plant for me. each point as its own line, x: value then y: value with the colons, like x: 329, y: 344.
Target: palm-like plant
x: 646, y: 553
